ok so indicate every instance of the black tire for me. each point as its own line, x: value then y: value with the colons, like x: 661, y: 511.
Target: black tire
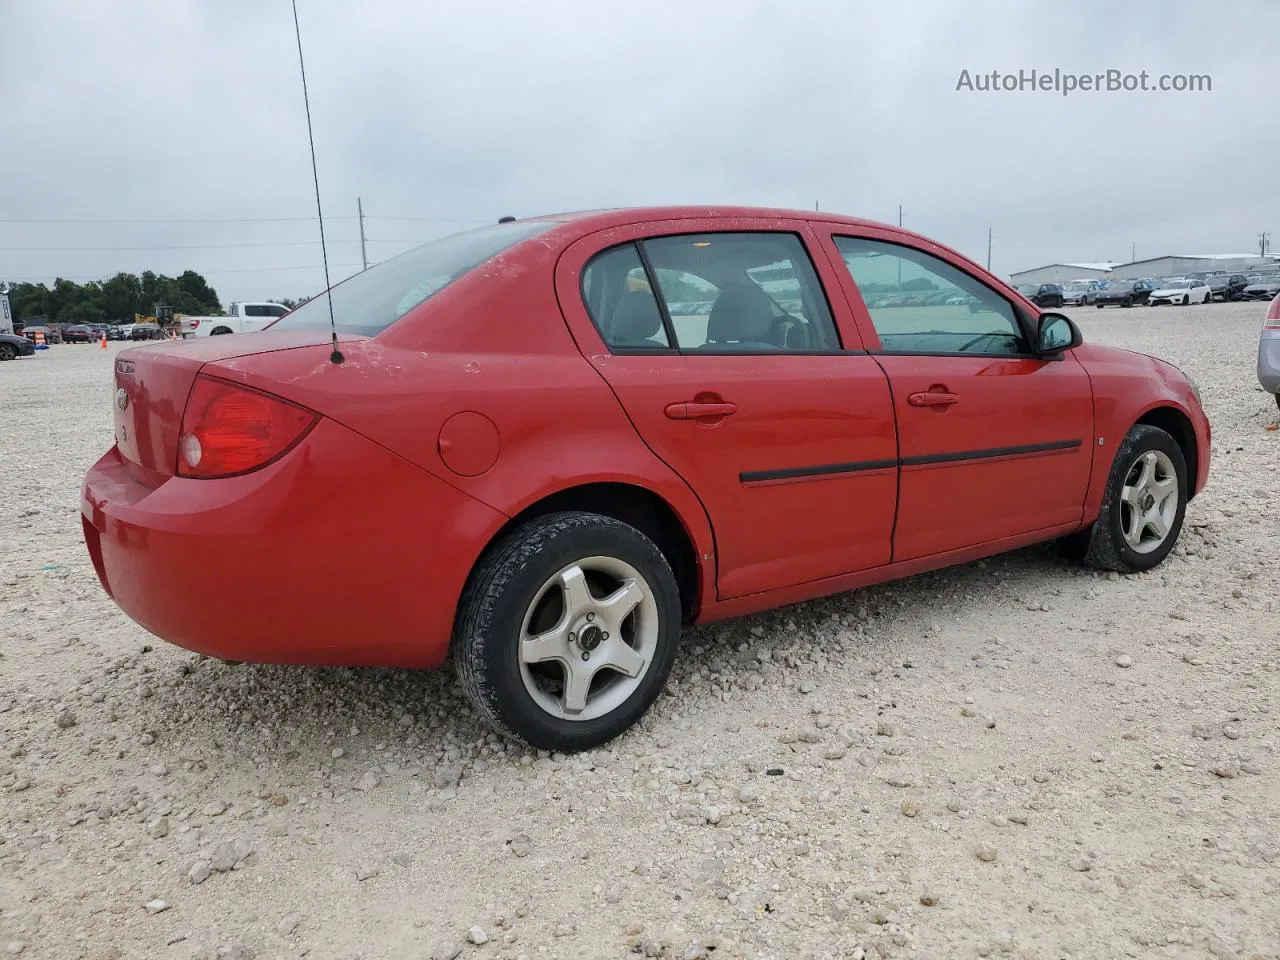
x: 1099, y: 305
x: 219, y: 332
x: 1105, y: 546
x: 492, y: 611
x: 1277, y: 399
x: 8, y: 351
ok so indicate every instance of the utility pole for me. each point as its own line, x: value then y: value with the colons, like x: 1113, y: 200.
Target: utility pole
x: 364, y: 257
x: 988, y: 249
x: 1264, y: 241
x: 899, y: 214
x: 1133, y: 253
x: 815, y: 206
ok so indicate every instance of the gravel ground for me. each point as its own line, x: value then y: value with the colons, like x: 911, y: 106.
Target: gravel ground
x: 1013, y: 758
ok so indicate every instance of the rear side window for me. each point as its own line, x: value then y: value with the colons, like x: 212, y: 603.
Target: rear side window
x: 752, y: 292
x: 371, y: 301
x: 621, y: 303
x: 264, y: 310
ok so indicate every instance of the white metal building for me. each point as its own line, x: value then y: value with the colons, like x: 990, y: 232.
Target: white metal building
x: 1062, y: 272
x: 1180, y: 265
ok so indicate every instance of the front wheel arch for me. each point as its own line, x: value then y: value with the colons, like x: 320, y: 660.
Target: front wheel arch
x: 1178, y: 425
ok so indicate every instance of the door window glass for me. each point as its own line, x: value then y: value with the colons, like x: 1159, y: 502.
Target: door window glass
x: 618, y: 297
x: 742, y: 293
x: 921, y: 304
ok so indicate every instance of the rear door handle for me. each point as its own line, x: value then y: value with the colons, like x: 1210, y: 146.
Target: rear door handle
x: 698, y: 410
x: 932, y: 399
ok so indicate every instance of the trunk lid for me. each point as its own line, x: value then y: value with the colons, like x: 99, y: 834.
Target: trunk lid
x: 152, y: 384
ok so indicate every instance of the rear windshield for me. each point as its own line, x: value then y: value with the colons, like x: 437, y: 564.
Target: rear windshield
x: 371, y: 301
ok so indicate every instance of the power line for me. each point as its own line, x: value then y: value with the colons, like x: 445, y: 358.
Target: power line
x: 100, y: 277
x: 192, y: 246
x: 230, y: 220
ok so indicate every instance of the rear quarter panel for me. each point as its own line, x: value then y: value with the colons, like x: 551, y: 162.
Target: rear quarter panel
x: 493, y: 343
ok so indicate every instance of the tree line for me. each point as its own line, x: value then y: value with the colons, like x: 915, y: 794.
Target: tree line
x: 118, y: 299
x: 115, y: 300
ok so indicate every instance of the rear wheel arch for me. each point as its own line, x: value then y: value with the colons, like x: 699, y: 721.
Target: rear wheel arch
x: 1178, y: 425
x: 635, y: 506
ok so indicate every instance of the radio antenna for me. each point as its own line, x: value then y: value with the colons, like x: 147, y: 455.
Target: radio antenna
x: 336, y: 356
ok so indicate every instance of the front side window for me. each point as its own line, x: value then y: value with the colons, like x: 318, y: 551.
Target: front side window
x: 922, y: 304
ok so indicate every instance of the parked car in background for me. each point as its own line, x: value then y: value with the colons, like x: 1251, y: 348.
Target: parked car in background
x: 51, y: 334
x: 1048, y: 295
x: 1123, y: 293
x: 1079, y: 293
x: 120, y: 331
x: 1182, y: 292
x: 13, y: 346
x: 1227, y: 286
x: 1261, y: 288
x: 78, y: 333
x: 240, y: 318
x: 577, y: 486
x: 1269, y: 351
x: 146, y: 331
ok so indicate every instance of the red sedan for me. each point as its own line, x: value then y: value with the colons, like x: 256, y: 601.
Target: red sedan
x: 547, y: 444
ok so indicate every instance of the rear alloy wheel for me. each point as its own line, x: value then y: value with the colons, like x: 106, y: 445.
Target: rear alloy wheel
x: 1143, y: 505
x: 567, y: 631
x: 8, y: 351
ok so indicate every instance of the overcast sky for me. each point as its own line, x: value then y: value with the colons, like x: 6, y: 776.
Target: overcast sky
x: 448, y: 113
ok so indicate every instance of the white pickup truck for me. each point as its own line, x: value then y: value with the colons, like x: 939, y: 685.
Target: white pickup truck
x: 240, y: 318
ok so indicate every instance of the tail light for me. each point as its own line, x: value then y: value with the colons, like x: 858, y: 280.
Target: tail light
x: 194, y: 323
x: 1272, y: 322
x: 228, y: 429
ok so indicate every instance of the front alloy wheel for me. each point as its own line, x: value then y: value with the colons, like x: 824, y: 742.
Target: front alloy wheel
x: 1143, y: 505
x: 1149, y: 501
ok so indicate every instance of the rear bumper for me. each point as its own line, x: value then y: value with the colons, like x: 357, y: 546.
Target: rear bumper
x: 338, y: 554
x: 1269, y: 363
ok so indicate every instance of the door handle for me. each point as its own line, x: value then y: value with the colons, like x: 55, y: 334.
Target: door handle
x: 932, y: 398
x: 699, y: 410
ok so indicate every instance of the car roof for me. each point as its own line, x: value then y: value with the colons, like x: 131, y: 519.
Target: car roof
x: 581, y: 223
x: 620, y: 216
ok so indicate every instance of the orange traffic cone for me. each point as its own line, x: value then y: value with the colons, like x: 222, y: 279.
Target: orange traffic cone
x: 103, y: 342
